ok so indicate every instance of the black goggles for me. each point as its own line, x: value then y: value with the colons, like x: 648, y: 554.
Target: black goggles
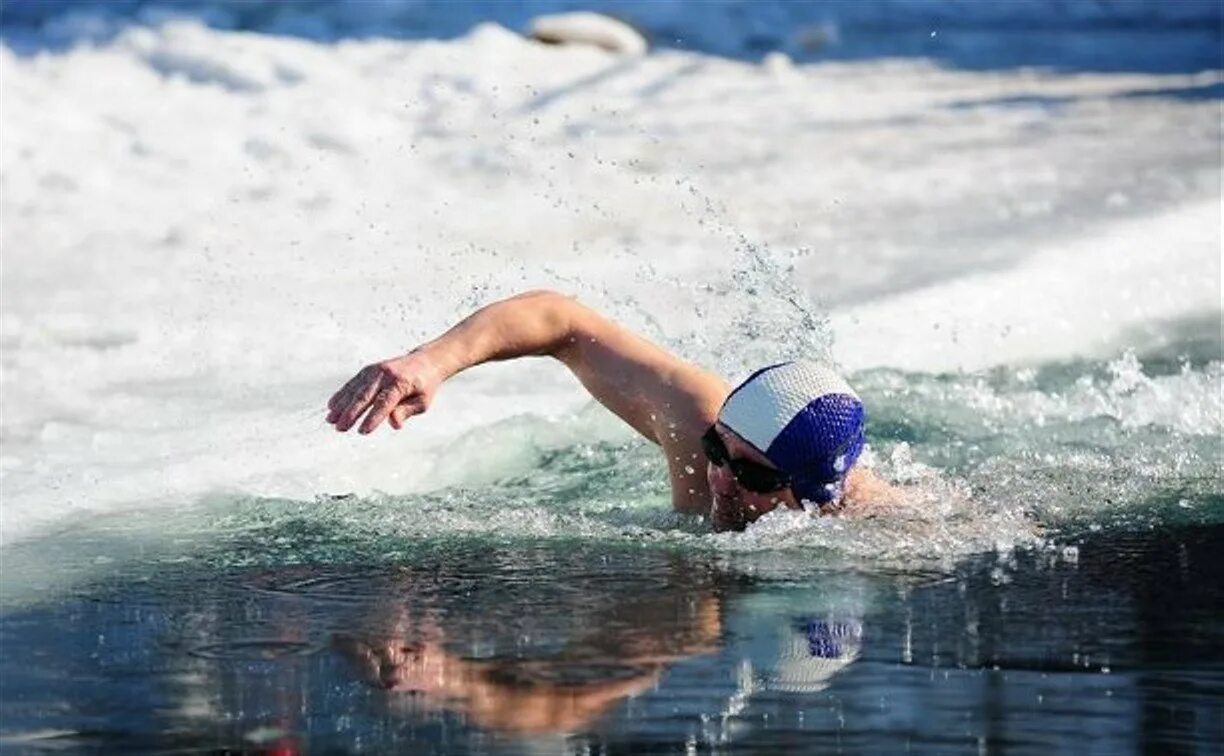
x: 753, y: 476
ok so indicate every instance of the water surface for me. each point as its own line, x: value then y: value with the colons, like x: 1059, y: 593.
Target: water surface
x: 1108, y: 644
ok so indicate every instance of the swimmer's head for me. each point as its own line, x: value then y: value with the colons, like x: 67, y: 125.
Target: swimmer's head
x: 802, y: 420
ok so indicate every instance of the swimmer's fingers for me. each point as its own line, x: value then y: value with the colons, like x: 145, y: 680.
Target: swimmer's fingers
x: 384, y: 402
x: 340, y: 399
x: 397, y: 417
x: 349, y: 408
x: 338, y: 405
x: 344, y: 397
x: 404, y: 410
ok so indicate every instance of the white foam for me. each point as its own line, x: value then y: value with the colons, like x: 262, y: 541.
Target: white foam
x: 206, y: 232
x: 1074, y: 297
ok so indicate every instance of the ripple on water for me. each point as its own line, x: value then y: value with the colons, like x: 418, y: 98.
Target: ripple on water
x: 253, y: 649
x: 342, y: 587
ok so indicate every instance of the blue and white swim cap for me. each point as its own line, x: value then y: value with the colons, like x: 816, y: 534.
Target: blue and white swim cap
x: 805, y: 419
x: 814, y: 650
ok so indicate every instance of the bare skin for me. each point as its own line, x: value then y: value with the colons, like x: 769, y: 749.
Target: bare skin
x: 668, y: 400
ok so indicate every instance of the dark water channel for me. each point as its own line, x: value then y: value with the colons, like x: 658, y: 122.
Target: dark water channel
x: 473, y: 646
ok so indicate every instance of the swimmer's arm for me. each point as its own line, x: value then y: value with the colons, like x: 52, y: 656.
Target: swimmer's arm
x: 666, y: 399
x: 658, y: 394
x: 534, y: 323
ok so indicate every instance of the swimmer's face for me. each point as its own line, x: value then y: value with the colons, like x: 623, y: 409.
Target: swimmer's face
x: 733, y: 506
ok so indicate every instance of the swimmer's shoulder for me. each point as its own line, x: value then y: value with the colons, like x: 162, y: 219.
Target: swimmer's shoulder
x: 869, y: 495
x: 649, y: 385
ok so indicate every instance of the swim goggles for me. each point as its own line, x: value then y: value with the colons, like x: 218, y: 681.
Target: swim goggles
x: 753, y: 476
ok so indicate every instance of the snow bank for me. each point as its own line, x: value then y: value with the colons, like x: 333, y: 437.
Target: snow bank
x: 204, y: 232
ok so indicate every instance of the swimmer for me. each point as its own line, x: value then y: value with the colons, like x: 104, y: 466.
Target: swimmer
x: 788, y: 436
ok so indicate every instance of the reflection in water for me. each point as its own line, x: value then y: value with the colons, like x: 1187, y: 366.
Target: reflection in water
x: 579, y: 648
x: 813, y: 651
x: 497, y: 695
x: 621, y: 650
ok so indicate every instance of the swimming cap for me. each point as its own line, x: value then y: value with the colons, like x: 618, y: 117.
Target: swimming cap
x: 812, y: 651
x: 805, y: 419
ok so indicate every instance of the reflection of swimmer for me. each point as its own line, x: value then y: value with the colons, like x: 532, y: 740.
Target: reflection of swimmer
x: 492, y: 695
x: 787, y: 436
x: 562, y: 693
x: 812, y: 652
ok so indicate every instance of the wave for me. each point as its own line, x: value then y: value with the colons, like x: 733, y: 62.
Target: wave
x: 979, y: 251
x: 1029, y: 459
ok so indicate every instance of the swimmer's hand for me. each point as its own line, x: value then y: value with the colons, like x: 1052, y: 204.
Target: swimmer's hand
x: 392, y: 390
x: 532, y: 323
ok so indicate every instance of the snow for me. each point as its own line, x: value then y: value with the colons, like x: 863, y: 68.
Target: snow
x: 206, y: 231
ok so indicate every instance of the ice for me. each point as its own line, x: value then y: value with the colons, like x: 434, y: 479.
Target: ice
x: 206, y: 231
x: 1074, y: 298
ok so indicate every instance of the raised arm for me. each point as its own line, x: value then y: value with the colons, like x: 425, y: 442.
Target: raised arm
x: 535, y: 323
x: 666, y: 399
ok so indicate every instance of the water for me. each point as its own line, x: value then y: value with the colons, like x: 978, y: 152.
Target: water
x: 1108, y: 643
x: 1019, y: 270
x: 1056, y: 590
x: 1135, y: 35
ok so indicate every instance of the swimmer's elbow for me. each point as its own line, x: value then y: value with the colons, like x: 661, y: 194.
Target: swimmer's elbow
x: 551, y: 305
x: 553, y: 315
x: 558, y: 315
x: 539, y: 295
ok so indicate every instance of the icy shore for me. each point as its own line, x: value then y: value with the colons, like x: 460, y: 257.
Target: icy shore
x: 204, y: 231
